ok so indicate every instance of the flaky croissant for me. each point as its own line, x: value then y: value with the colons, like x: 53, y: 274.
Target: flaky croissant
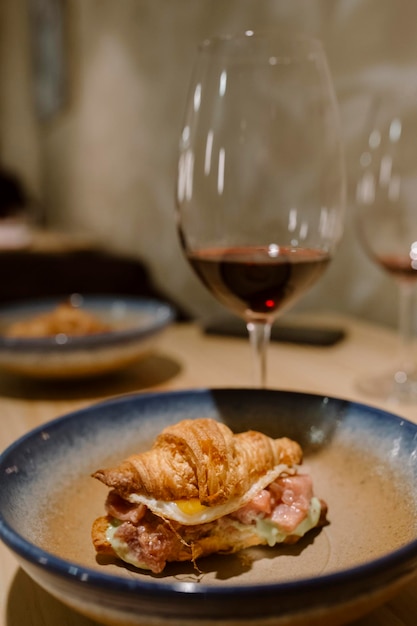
x: 201, y: 489
x: 203, y: 459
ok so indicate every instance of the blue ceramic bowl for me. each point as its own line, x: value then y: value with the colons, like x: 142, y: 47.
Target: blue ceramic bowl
x: 136, y: 323
x: 363, y: 462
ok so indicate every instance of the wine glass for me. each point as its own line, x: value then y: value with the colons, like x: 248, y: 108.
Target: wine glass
x: 387, y: 225
x: 260, y: 189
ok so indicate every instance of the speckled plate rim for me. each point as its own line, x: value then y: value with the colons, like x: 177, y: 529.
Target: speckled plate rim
x: 160, y: 313
x: 381, y: 570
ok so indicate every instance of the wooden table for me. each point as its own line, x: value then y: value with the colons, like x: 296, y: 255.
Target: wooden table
x: 186, y: 358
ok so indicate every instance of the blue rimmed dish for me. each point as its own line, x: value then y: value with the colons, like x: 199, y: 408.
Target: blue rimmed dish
x: 363, y: 462
x: 135, y: 324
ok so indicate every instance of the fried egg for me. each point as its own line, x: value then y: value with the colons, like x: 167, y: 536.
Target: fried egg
x: 192, y: 512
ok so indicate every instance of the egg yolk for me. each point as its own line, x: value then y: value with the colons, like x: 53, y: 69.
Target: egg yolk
x: 190, y: 507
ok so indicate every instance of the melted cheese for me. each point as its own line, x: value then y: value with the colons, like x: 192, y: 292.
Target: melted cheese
x: 267, y: 530
x: 121, y: 548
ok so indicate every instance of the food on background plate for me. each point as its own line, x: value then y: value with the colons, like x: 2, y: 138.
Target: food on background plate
x: 65, y: 318
x: 201, y: 489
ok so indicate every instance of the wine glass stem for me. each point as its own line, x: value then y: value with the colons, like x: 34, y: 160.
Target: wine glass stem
x: 259, y: 335
x: 406, y: 323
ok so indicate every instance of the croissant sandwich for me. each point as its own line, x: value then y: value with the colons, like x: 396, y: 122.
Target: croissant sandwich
x: 201, y: 489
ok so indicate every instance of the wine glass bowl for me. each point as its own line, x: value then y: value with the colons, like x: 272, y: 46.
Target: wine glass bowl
x: 260, y: 189
x: 387, y: 226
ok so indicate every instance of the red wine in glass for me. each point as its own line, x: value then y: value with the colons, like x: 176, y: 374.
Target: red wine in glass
x: 258, y: 282
x: 402, y: 268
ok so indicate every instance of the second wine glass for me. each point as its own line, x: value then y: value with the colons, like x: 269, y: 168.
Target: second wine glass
x: 260, y: 192
x: 387, y: 226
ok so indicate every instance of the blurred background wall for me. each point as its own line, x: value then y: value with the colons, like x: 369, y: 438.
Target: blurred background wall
x: 102, y: 161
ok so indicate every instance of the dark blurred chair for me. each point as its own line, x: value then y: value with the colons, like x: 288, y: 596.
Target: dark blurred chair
x: 25, y: 274
x: 38, y: 270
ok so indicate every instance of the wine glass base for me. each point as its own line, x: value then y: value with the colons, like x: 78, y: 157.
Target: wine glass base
x: 395, y: 387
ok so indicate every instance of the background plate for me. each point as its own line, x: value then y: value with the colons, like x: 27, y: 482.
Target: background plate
x: 137, y: 322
